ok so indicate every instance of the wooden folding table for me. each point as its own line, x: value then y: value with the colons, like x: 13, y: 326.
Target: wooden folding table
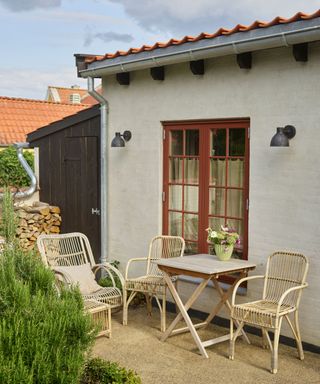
x: 209, y: 268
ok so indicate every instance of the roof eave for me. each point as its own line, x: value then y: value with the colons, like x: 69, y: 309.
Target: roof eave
x: 258, y: 39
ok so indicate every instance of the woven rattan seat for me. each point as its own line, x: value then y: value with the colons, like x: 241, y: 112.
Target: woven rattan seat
x: 152, y: 283
x: 283, y: 283
x: 60, y: 252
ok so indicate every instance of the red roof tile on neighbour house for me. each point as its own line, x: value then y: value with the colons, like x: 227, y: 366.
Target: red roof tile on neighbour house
x: 63, y: 94
x: 88, y: 99
x: 222, y: 31
x: 21, y: 116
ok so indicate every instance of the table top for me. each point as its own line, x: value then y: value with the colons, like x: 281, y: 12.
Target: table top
x: 204, y: 264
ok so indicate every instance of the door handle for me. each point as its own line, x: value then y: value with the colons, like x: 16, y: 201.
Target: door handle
x: 95, y: 211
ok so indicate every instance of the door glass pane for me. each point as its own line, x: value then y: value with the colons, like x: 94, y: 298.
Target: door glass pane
x: 175, y: 224
x: 217, y: 201
x: 218, y: 142
x: 191, y: 171
x: 175, y: 197
x: 237, y: 141
x: 191, y: 227
x: 218, y: 172
x: 235, y: 203
x: 216, y: 222
x: 175, y: 170
x: 235, y: 173
x: 191, y: 248
x: 191, y: 198
x: 176, y: 142
x: 192, y: 142
x: 237, y: 225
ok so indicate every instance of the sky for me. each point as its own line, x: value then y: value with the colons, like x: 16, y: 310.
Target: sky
x: 40, y: 37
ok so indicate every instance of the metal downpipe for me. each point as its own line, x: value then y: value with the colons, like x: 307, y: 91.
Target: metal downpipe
x: 103, y: 168
x: 33, y: 185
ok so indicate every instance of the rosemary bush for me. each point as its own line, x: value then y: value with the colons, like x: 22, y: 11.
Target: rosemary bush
x: 44, y: 334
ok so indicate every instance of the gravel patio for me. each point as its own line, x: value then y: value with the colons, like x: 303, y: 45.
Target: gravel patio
x: 137, y: 346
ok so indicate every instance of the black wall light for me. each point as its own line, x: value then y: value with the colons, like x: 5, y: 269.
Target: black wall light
x: 120, y: 140
x: 283, y: 135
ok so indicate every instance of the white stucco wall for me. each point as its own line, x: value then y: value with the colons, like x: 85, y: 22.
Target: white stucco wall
x: 284, y: 192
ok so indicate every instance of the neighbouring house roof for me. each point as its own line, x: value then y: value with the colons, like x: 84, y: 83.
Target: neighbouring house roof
x: 72, y: 95
x: 89, y: 65
x: 88, y: 99
x: 21, y: 116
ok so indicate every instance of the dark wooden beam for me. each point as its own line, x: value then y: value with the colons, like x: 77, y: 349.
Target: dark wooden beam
x: 157, y: 73
x: 123, y: 78
x: 300, y: 52
x: 197, y: 67
x: 244, y: 60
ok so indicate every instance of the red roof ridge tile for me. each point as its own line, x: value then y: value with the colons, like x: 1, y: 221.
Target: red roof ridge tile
x: 19, y: 99
x: 220, y: 32
x: 68, y: 88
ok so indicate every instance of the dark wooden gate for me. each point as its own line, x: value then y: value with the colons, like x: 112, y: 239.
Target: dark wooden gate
x: 70, y: 172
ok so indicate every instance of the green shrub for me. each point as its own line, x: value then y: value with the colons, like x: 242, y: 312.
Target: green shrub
x: 98, y: 371
x: 11, y: 171
x: 8, y: 226
x: 44, y: 334
x: 106, y: 280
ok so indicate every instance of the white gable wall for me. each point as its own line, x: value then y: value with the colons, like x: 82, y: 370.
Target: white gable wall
x: 284, y: 182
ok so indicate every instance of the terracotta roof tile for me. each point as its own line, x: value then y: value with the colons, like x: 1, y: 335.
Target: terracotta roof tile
x: 220, y: 32
x: 21, y: 116
x: 64, y: 94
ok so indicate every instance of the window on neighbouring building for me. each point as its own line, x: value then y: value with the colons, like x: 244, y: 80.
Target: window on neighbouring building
x: 206, y: 181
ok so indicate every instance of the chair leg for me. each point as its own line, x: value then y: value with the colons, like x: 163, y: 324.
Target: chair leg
x: 274, y: 355
x: 297, y: 336
x: 163, y: 313
x: 296, y: 333
x: 125, y: 308
x: 149, y: 303
x: 231, y: 347
x: 265, y: 343
x: 233, y: 337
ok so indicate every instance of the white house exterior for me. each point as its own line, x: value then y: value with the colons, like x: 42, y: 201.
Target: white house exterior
x: 283, y: 208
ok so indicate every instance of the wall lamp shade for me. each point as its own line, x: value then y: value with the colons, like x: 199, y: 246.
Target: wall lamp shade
x: 120, y: 140
x: 283, y: 135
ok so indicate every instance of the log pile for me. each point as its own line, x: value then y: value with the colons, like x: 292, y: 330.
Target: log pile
x: 34, y: 220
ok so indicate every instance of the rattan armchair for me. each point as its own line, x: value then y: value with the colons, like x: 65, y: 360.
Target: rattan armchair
x: 152, y: 283
x: 70, y: 257
x: 283, y: 283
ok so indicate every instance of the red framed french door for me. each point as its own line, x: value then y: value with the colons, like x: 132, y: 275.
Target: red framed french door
x: 205, y: 180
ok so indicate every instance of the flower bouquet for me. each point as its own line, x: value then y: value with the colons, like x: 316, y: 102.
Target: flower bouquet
x: 224, y: 241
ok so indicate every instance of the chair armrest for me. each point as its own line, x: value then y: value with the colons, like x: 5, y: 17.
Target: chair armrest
x: 110, y: 269
x: 62, y: 279
x: 286, y: 294
x: 132, y: 261
x: 240, y: 282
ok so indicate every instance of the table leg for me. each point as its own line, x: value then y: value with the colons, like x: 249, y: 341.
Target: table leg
x: 183, y: 313
x: 224, y: 301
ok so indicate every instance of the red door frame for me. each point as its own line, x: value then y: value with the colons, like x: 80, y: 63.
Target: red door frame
x: 204, y: 172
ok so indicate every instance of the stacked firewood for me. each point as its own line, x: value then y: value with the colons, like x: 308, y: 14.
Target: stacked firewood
x: 34, y: 220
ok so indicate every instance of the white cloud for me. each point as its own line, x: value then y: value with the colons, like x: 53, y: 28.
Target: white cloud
x: 33, y: 83
x: 27, y: 5
x: 107, y: 37
x: 194, y: 16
